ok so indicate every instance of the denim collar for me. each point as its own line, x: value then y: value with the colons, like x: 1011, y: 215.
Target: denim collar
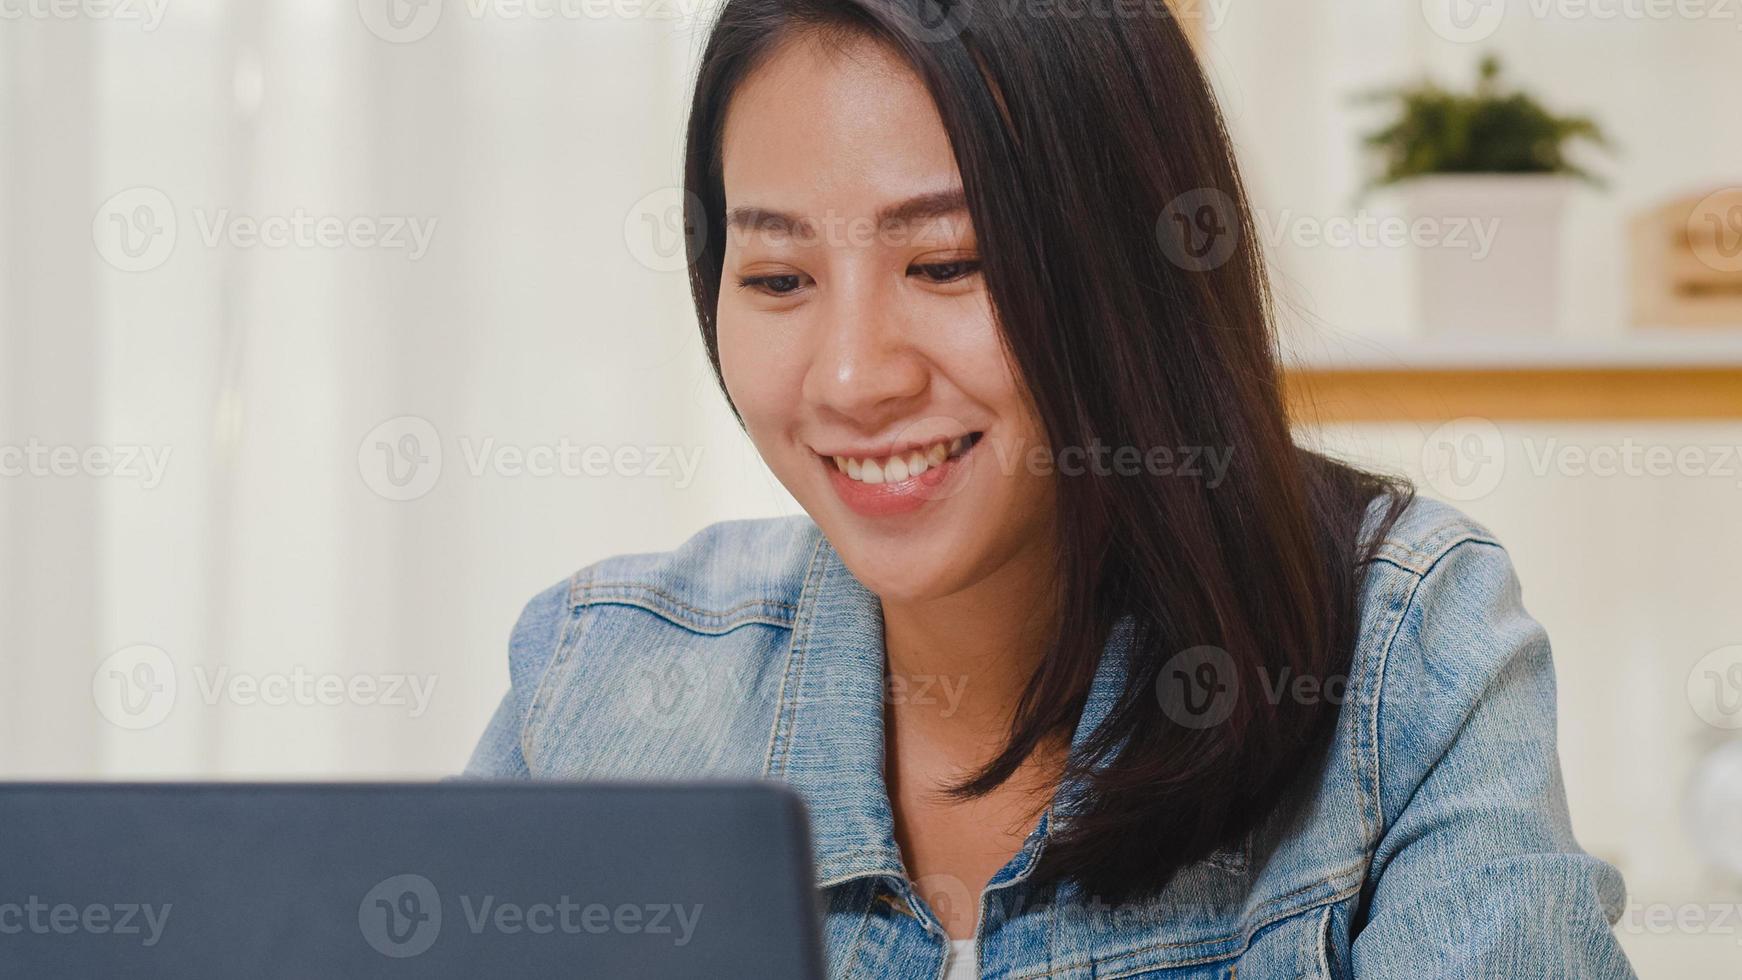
x: 828, y: 739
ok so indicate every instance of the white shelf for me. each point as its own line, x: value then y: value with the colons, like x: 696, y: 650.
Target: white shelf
x: 1642, y: 348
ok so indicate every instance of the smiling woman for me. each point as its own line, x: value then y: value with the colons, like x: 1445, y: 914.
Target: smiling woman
x: 963, y: 278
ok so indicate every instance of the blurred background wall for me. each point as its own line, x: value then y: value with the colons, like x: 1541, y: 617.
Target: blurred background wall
x: 375, y: 314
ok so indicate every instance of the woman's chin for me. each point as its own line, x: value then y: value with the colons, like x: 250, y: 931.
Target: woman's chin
x: 900, y: 574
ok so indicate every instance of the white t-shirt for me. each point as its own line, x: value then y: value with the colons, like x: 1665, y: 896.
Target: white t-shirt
x: 961, y: 966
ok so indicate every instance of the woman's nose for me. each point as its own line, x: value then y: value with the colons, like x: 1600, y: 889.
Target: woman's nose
x: 866, y: 369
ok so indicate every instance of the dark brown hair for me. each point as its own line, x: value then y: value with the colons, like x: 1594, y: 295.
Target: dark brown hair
x: 1122, y: 264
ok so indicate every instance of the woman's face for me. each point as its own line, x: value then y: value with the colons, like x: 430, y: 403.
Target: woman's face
x: 856, y: 334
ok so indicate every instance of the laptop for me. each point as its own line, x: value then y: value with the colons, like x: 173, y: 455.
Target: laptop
x: 454, y: 879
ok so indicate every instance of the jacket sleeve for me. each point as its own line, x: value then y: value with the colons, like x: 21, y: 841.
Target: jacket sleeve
x: 537, y: 634
x: 1476, y: 873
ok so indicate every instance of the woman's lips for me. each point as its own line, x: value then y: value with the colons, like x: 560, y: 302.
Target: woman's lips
x: 908, y: 493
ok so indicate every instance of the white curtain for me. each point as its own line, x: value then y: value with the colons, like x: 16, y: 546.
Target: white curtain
x: 243, y: 239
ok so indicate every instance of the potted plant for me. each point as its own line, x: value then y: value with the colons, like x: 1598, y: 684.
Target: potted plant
x: 1490, y: 169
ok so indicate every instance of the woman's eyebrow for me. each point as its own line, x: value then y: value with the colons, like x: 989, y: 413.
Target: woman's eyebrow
x: 920, y: 207
x: 924, y: 207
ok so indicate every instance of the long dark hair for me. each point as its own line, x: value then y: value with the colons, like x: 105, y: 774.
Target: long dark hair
x: 1122, y: 264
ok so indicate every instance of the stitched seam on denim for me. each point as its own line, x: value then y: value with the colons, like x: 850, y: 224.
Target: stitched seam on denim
x: 774, y: 763
x: 859, y: 934
x: 1324, y: 932
x: 698, y: 619
x: 1244, y: 936
x: 1377, y: 751
x: 1364, y: 752
x: 688, y: 607
x: 1433, y: 547
x: 1415, y: 593
x: 705, y: 629
x: 568, y: 639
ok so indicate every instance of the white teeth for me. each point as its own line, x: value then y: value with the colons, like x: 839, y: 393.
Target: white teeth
x: 895, y: 469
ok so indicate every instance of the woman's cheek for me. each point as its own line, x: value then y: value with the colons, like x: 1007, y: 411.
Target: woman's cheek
x: 759, y: 380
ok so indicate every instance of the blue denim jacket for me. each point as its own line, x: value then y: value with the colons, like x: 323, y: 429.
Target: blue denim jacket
x: 1437, y: 843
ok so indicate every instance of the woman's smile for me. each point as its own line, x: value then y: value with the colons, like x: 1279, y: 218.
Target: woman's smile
x: 900, y: 481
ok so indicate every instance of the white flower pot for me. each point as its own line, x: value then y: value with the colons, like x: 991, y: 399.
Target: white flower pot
x: 1494, y: 263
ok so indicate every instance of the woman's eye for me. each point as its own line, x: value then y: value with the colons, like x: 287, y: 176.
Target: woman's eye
x: 941, y: 272
x: 780, y: 285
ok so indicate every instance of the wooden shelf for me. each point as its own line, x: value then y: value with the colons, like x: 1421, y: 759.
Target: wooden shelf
x: 1660, y: 374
